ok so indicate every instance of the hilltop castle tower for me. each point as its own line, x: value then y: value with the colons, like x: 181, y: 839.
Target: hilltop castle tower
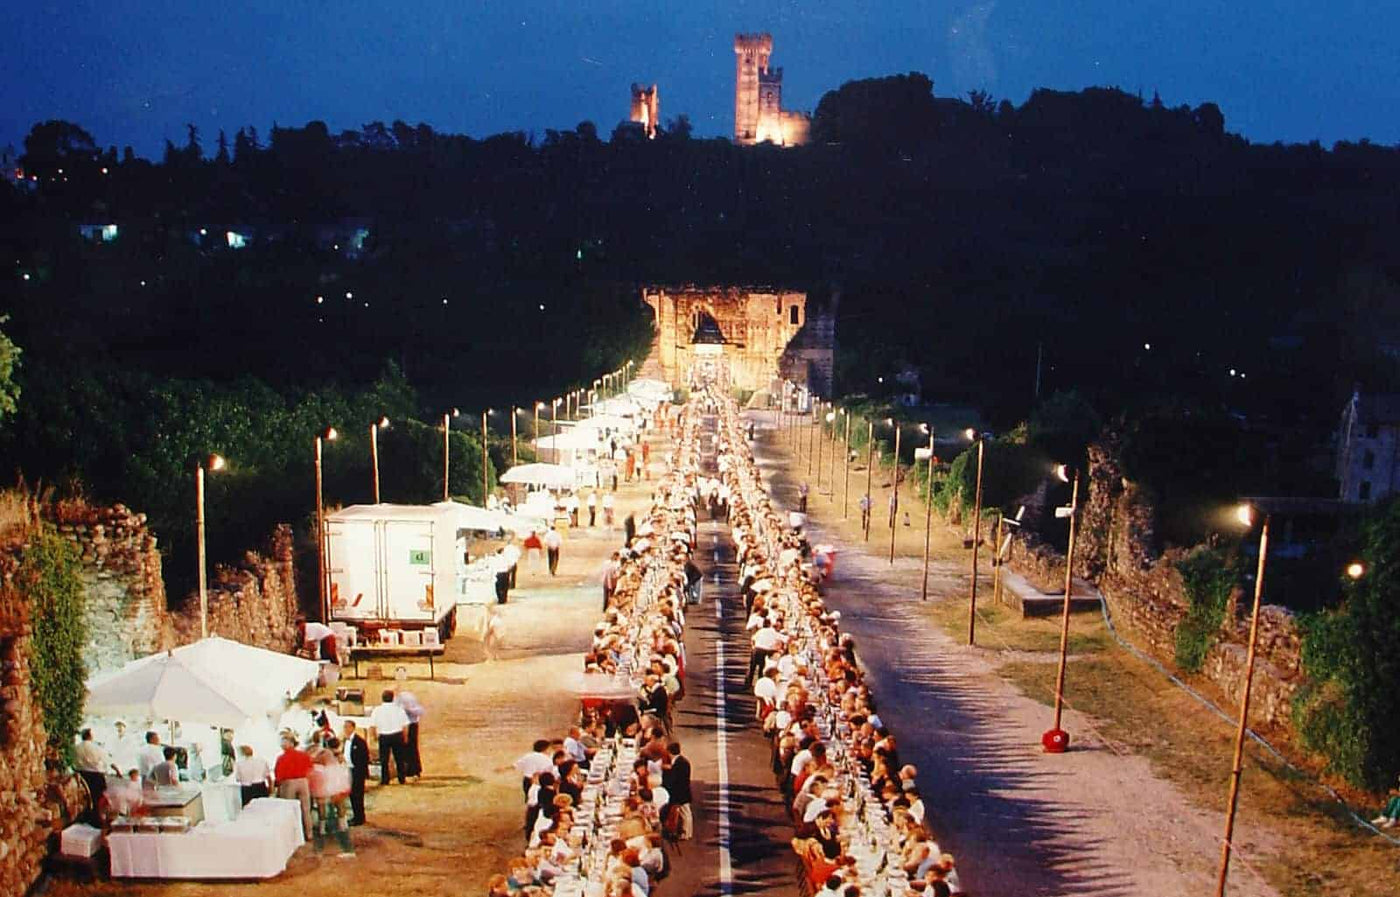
x: 646, y: 108
x: 758, y: 97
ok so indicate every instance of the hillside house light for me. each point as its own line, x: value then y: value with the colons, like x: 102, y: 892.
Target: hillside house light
x: 330, y: 434
x: 1056, y: 740
x: 349, y: 295
x: 1147, y: 347
x: 213, y: 464
x: 374, y: 428
x: 1245, y: 514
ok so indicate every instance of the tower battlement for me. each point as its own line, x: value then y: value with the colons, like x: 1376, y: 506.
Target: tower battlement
x: 758, y: 96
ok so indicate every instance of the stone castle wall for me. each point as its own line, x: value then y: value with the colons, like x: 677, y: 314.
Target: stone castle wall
x: 1116, y: 550
x: 128, y: 613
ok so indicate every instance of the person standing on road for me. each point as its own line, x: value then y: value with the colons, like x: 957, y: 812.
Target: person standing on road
x: 675, y: 778
x: 865, y: 512
x: 571, y: 505
x: 766, y: 642
x: 387, y: 723
x: 608, y: 510
x: 415, y: 710
x: 293, y: 772
x: 552, y: 543
x: 802, y: 498
x: 894, y: 507
x: 593, y: 508
x: 357, y: 757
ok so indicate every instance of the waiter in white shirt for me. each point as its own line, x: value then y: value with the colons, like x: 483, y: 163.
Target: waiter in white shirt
x: 318, y: 638
x: 766, y: 641
x: 150, y: 756
x: 388, y: 722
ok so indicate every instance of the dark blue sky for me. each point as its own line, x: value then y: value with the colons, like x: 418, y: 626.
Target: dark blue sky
x: 134, y: 71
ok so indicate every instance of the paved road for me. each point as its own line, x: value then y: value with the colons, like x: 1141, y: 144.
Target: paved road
x: 749, y: 852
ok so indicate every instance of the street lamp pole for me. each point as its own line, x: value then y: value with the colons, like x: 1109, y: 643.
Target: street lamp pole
x: 928, y: 515
x: 976, y: 541
x: 1056, y: 740
x: 869, y: 472
x: 374, y: 429
x: 846, y: 467
x: 514, y: 442
x: 214, y: 463
x: 322, y: 591
x: 821, y: 438
x: 446, y: 452
x: 894, y: 516
x: 485, y: 461
x: 1246, y: 516
x: 812, y: 434
x: 831, y: 481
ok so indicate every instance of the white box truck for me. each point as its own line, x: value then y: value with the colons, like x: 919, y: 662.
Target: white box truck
x: 393, y: 567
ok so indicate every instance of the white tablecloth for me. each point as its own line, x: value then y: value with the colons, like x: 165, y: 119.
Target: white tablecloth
x: 256, y: 845
x: 222, y: 800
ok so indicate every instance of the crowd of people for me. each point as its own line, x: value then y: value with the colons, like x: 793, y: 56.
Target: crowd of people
x: 601, y: 800
x: 860, y: 820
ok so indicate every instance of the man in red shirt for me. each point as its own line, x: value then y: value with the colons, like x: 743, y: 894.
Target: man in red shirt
x: 293, y: 773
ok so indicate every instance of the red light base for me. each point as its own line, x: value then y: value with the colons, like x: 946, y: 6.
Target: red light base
x: 1055, y: 741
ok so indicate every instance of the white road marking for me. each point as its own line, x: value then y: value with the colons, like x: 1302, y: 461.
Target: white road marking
x: 726, y: 868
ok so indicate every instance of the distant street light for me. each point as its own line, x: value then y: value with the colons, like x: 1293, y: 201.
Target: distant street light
x: 213, y: 463
x: 1356, y: 570
x: 1057, y: 740
x: 1245, y: 514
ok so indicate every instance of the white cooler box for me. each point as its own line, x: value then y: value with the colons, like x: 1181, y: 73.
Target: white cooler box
x: 79, y: 840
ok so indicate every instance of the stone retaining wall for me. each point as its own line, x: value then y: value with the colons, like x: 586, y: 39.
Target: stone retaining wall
x: 128, y: 613
x: 1116, y: 550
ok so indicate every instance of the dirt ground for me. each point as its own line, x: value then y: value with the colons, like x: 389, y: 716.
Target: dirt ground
x: 446, y: 834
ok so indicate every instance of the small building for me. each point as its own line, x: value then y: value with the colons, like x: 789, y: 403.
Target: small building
x: 1368, y: 447
x: 98, y: 233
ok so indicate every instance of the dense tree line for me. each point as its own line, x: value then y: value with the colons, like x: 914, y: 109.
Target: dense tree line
x: 1142, y: 252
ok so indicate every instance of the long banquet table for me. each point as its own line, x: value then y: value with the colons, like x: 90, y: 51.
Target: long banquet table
x: 256, y: 845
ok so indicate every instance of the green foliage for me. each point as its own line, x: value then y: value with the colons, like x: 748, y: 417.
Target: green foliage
x: 1063, y: 425
x: 1009, y: 471
x: 680, y: 395
x: 9, y: 387
x: 1208, y: 575
x: 136, y: 438
x: 1352, y: 659
x: 48, y: 576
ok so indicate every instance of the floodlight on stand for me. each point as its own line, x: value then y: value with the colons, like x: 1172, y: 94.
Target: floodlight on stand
x: 1062, y: 472
x: 216, y: 462
x: 1245, y: 515
x: 384, y: 423
x: 331, y: 434
x: 970, y: 434
x: 1356, y: 570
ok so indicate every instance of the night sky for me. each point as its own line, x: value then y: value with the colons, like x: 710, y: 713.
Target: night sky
x: 135, y: 71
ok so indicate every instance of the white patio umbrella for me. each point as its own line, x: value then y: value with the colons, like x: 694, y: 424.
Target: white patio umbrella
x: 554, y: 476
x: 166, y: 687
x: 276, y: 678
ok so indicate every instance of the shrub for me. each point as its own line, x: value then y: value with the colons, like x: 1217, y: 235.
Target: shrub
x: 1208, y: 576
x: 48, y: 575
x: 1352, y: 659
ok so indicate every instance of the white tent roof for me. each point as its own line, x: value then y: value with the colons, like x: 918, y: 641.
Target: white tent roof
x: 622, y: 406
x: 606, y: 422
x: 539, y: 474
x: 214, y: 681
x: 486, y: 520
